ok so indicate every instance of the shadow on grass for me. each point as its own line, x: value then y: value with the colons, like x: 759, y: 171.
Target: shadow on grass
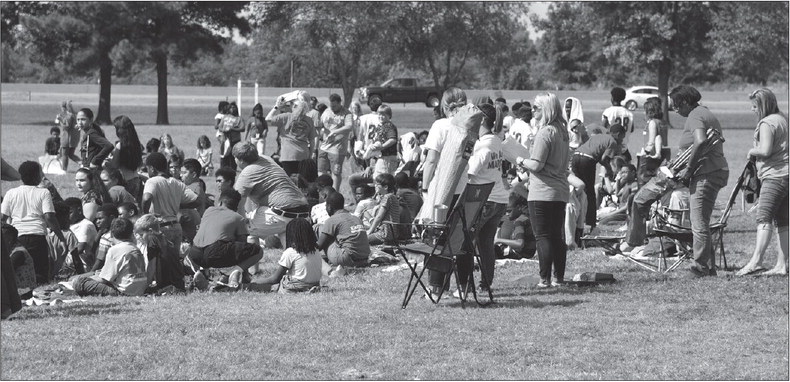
x: 516, y: 303
x: 76, y: 309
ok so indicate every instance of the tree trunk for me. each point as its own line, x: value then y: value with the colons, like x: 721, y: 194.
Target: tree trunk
x: 105, y: 83
x: 161, y: 88
x: 664, y: 67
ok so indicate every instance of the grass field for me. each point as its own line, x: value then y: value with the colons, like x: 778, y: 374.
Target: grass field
x: 645, y: 326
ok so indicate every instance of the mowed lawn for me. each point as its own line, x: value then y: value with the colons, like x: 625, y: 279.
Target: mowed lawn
x: 645, y: 326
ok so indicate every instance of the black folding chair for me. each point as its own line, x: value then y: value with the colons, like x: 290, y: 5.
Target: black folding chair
x: 683, y: 236
x: 443, y: 243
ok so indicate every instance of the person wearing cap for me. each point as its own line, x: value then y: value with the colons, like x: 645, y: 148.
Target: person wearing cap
x: 296, y: 132
x: 601, y: 149
x: 270, y: 198
x: 164, y: 195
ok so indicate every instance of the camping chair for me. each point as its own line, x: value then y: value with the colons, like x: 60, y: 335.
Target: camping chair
x: 444, y: 242
x: 683, y: 237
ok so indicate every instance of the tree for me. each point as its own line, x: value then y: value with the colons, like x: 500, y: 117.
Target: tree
x: 81, y: 35
x: 179, y: 31
x: 444, y: 36
x: 750, y: 39
x: 339, y: 34
x: 656, y: 36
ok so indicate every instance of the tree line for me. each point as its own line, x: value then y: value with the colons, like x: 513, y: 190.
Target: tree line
x: 349, y: 44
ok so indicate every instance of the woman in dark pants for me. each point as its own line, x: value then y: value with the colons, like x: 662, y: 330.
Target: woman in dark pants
x: 548, y: 187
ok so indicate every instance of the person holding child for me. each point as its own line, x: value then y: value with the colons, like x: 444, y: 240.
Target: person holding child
x: 123, y: 273
x: 300, y: 266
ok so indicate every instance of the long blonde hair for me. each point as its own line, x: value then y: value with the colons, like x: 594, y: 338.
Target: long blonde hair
x: 766, y: 102
x: 551, y: 113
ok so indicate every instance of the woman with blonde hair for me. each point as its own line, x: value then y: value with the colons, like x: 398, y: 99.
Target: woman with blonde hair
x: 771, y: 156
x: 548, y: 186
x: 168, y: 148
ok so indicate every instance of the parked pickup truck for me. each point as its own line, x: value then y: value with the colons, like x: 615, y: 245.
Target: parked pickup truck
x: 401, y: 90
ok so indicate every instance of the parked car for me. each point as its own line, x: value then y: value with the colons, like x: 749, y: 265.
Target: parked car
x: 636, y: 96
x: 402, y: 90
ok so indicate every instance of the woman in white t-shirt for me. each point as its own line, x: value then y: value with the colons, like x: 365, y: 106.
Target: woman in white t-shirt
x: 485, y: 167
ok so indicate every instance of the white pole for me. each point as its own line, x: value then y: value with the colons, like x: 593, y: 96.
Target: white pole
x: 256, y: 93
x: 292, y: 73
x: 238, y: 96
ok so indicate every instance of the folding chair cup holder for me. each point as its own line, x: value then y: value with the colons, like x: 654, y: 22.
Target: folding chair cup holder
x: 442, y: 244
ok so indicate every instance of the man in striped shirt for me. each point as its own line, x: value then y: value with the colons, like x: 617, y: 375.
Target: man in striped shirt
x: 269, y: 198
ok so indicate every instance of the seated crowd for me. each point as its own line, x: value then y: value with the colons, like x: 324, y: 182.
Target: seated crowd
x: 139, y: 221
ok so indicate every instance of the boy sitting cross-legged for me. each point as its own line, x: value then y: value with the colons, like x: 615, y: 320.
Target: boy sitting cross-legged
x: 222, y: 243
x: 124, y: 271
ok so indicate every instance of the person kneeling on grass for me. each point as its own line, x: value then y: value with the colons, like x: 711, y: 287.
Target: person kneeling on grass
x: 343, y: 236
x: 124, y: 271
x: 300, y: 266
x: 222, y: 243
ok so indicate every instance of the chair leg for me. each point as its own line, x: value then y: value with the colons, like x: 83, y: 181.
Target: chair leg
x: 485, y: 282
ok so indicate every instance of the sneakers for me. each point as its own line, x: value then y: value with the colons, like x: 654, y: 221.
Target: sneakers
x: 234, y: 280
x: 543, y: 284
x: 558, y: 283
x: 200, y: 281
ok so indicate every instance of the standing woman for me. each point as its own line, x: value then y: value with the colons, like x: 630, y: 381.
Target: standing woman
x: 128, y: 156
x: 93, y: 145
x: 295, y: 131
x: 257, y: 129
x: 232, y: 126
x: 94, y: 193
x: 69, y: 135
x: 771, y: 157
x: 548, y: 186
x: 485, y: 167
x: 705, y: 175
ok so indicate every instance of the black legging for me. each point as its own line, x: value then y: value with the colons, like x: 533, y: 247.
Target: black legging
x: 584, y: 168
x: 548, y: 219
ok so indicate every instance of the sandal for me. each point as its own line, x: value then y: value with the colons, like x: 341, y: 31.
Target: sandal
x: 750, y: 271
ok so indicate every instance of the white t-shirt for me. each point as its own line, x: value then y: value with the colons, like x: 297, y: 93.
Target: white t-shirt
x: 410, y: 149
x: 318, y: 213
x: 365, y: 123
x: 618, y: 114
x: 435, y: 141
x: 124, y: 267
x: 168, y: 194
x: 523, y: 132
x: 85, y: 232
x: 301, y: 267
x: 26, y: 206
x: 507, y: 121
x: 485, y: 166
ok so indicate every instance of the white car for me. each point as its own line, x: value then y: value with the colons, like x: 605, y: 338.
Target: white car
x: 636, y: 96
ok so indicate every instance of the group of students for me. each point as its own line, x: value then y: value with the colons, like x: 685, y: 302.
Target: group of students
x: 549, y: 187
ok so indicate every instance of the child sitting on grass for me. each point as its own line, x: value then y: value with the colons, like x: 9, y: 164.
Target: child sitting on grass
x: 107, y: 213
x: 22, y: 263
x: 59, y: 250
x: 300, y: 264
x: 86, y: 234
x: 388, y: 209
x: 204, y: 155
x: 123, y: 273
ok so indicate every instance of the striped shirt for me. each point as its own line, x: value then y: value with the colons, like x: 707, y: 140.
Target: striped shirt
x: 267, y: 184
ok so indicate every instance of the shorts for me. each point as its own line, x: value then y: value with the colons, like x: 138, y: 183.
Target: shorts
x: 328, y: 161
x: 223, y: 254
x: 263, y: 222
x: 773, y: 202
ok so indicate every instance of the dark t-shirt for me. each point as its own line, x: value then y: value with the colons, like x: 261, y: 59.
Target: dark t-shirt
x: 384, y: 132
x: 220, y: 224
x: 349, y: 233
x: 600, y: 146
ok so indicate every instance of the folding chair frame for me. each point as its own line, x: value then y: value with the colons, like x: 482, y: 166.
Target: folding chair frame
x: 435, y: 256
